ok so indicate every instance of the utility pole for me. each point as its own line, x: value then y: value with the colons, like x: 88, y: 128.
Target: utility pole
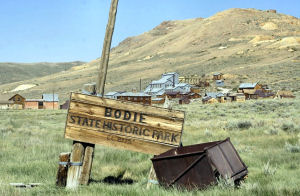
x: 106, y: 47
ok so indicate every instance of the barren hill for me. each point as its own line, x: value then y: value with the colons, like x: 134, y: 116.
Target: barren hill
x: 246, y: 44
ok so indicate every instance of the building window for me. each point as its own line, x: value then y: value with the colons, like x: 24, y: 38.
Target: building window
x: 135, y: 98
x: 18, y: 99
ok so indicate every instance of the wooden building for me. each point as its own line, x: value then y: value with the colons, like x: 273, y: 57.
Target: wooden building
x: 158, y: 100
x: 217, y: 76
x: 249, y: 89
x: 172, y: 95
x: 142, y: 98
x: 195, y: 89
x: 184, y: 100
x: 18, y: 101
x: 209, y: 100
x: 238, y: 97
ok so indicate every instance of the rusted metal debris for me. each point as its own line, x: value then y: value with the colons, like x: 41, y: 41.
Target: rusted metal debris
x: 200, y: 165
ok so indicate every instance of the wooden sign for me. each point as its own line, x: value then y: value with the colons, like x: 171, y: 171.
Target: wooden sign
x: 124, y: 125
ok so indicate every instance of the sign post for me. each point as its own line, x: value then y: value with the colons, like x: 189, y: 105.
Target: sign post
x: 125, y: 125
x: 80, y: 174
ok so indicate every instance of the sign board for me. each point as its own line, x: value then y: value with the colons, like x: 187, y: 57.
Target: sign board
x: 124, y: 125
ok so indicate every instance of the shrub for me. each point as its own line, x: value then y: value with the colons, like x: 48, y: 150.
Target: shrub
x: 292, y: 148
x: 289, y: 127
x: 268, y: 169
x: 244, y: 124
x: 273, y: 131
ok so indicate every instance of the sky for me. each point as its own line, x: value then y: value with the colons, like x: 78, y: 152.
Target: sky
x: 71, y: 30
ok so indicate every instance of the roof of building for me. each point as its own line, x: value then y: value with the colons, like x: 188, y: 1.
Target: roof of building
x: 114, y: 93
x: 153, y: 90
x: 163, y: 80
x: 34, y: 100
x: 16, y: 95
x: 214, y: 95
x: 217, y: 74
x: 132, y: 94
x: 248, y: 85
x: 50, y: 97
x: 206, y: 98
x: 157, y: 99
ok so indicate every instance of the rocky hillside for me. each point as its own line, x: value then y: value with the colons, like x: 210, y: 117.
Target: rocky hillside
x: 247, y: 45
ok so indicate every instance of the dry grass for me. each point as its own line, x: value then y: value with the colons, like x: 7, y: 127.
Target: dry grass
x: 30, y: 142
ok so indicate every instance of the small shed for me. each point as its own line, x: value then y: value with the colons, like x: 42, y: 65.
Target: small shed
x: 218, y: 76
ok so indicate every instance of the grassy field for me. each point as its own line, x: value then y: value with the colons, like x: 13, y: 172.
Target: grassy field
x: 266, y: 133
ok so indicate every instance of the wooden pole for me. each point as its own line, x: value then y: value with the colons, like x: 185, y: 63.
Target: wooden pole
x: 106, y: 47
x: 75, y: 169
x: 61, y: 178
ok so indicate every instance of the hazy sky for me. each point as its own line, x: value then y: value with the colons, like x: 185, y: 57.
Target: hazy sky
x: 69, y: 30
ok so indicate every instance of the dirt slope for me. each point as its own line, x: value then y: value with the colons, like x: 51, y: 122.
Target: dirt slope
x: 250, y: 45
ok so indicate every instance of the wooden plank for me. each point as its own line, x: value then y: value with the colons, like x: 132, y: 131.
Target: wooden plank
x: 137, y: 127
x: 87, y: 163
x: 74, y: 172
x: 146, y: 109
x: 62, y: 173
x: 97, y: 112
x: 117, y: 141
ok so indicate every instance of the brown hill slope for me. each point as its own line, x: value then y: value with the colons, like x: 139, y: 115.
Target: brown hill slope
x: 248, y: 44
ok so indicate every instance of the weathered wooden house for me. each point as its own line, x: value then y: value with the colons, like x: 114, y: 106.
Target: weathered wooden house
x: 249, y: 89
x: 158, y: 100
x: 219, y: 97
x: 184, y: 100
x: 113, y: 95
x: 238, y: 97
x: 142, y: 98
x: 19, y: 101
x: 209, y: 100
x: 217, y: 76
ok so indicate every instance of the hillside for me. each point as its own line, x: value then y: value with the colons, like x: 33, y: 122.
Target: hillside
x: 246, y: 44
x: 13, y: 72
